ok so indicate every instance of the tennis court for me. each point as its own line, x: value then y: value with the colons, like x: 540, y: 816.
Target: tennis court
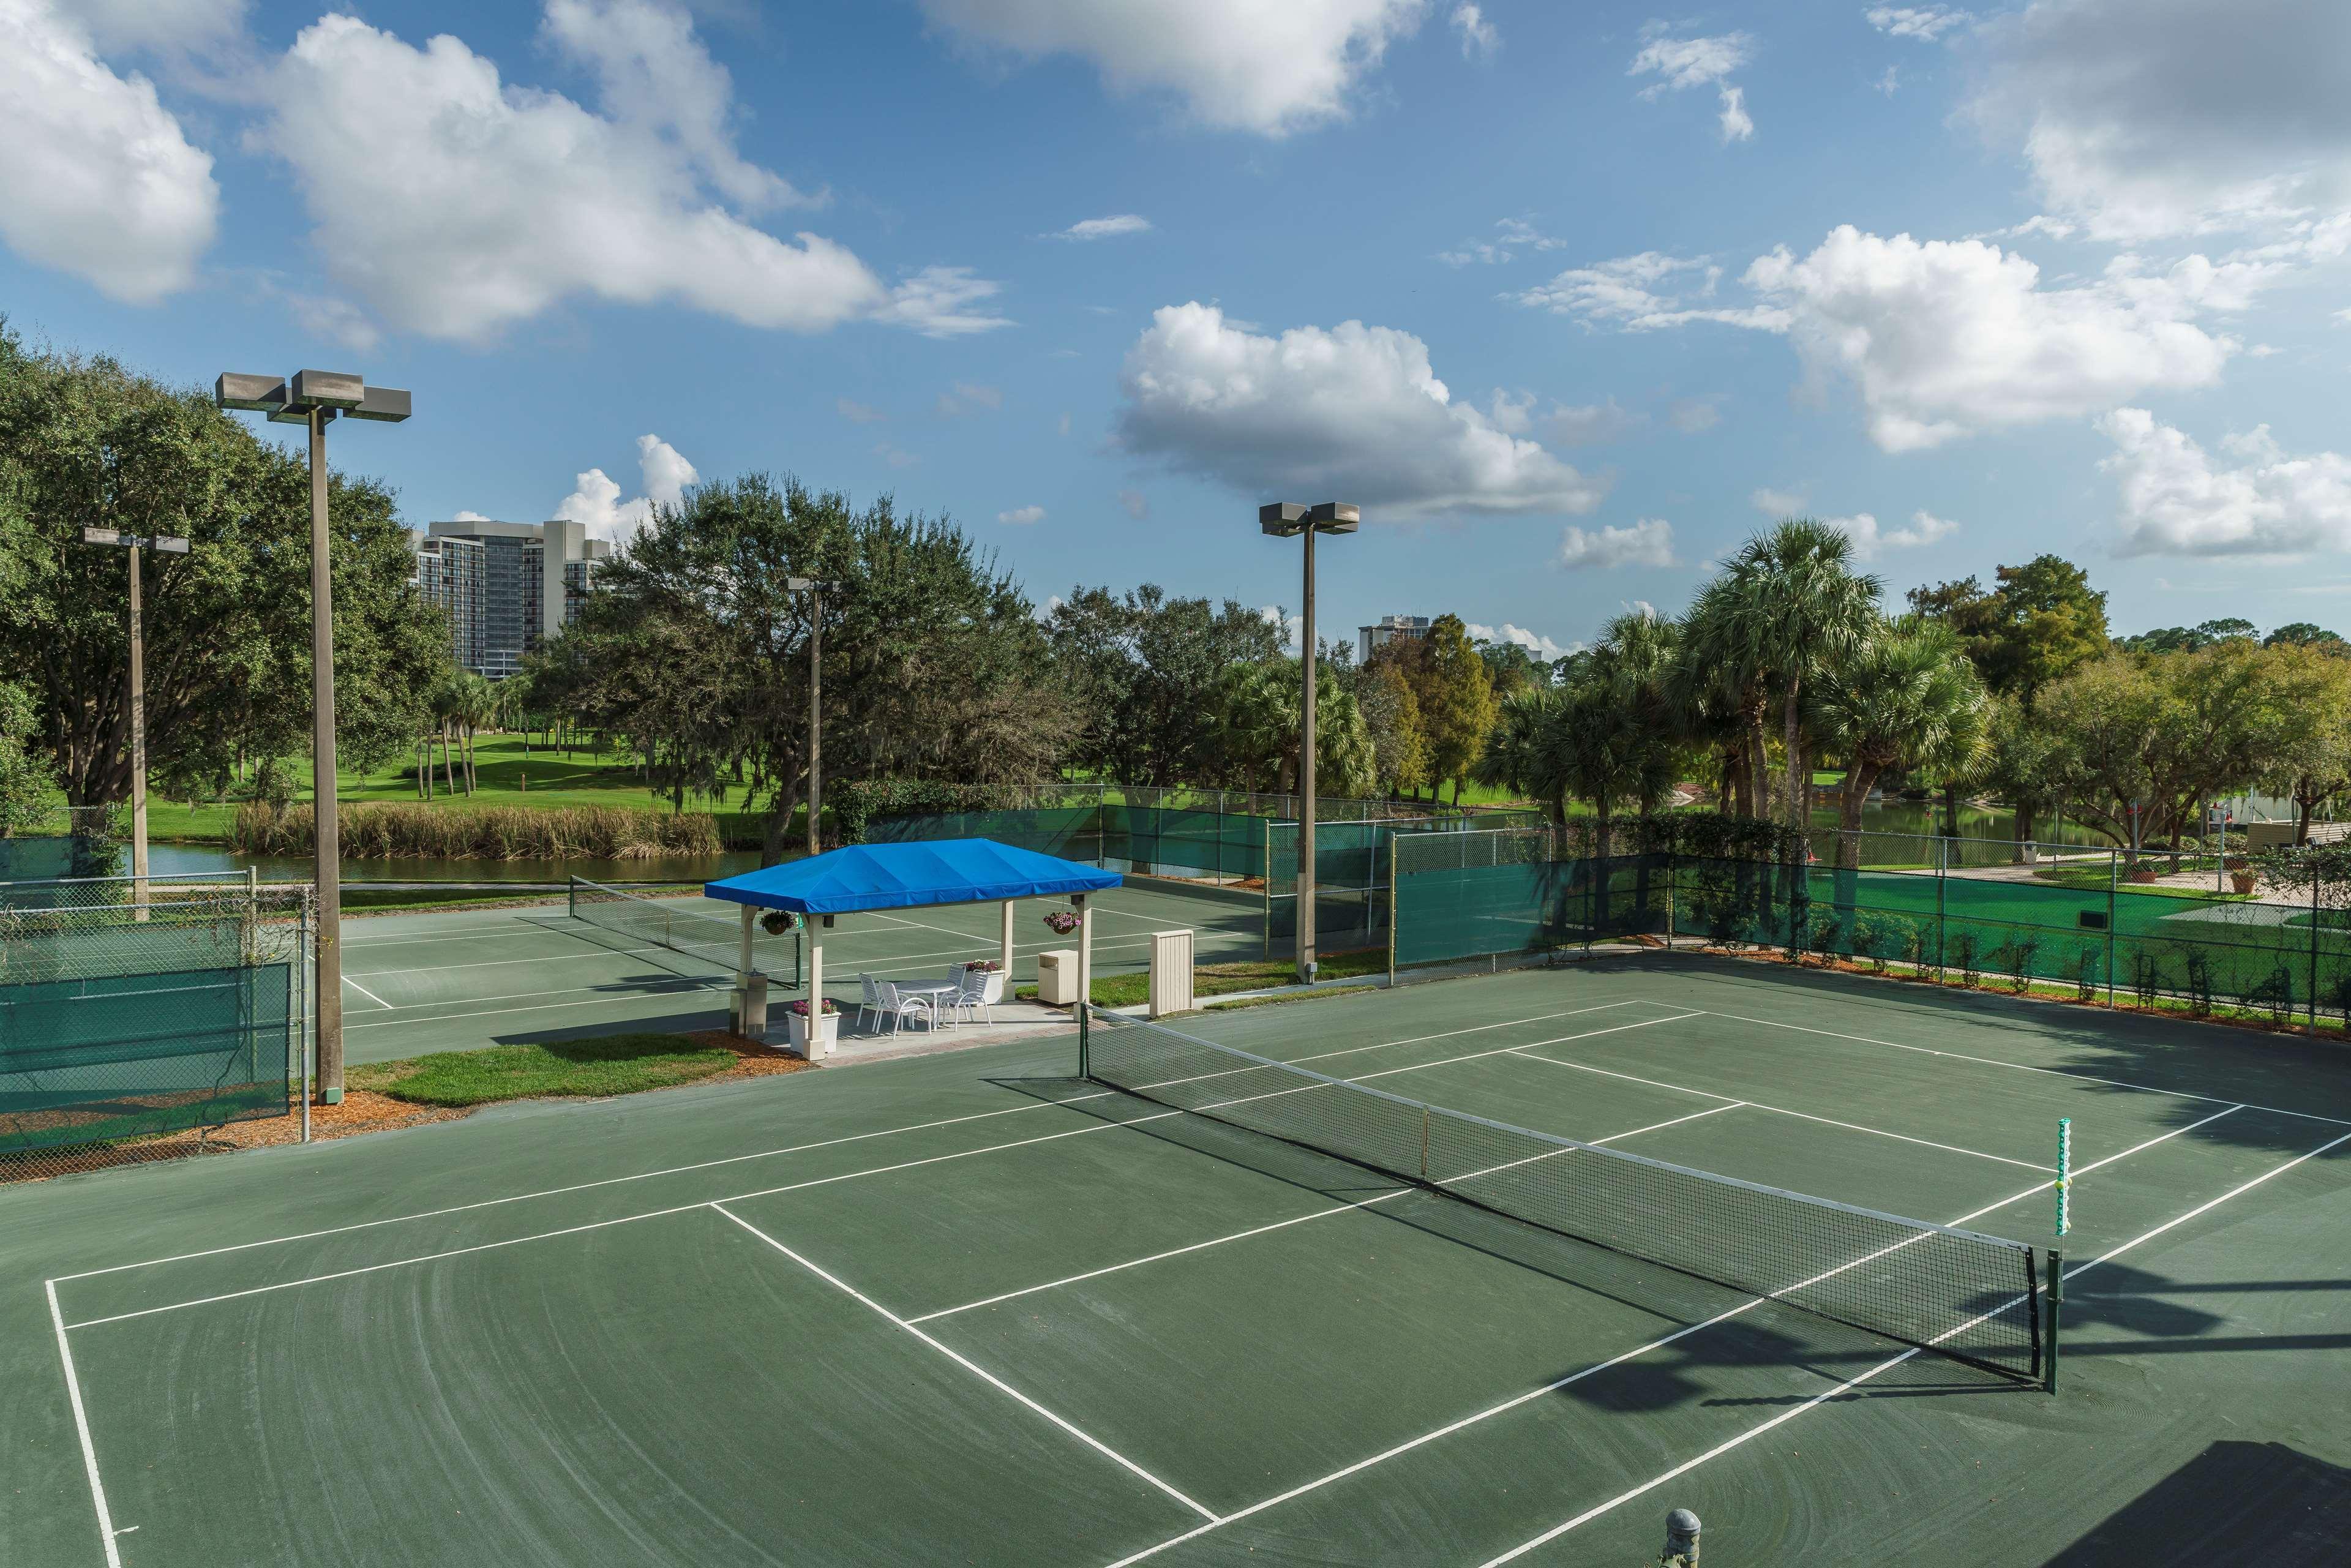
x: 971, y: 1307
x: 420, y: 983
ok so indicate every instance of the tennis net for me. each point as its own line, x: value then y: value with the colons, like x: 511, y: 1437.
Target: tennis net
x: 1971, y: 1296
x: 661, y: 921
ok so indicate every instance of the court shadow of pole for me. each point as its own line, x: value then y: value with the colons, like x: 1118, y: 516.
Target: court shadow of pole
x: 2234, y: 1503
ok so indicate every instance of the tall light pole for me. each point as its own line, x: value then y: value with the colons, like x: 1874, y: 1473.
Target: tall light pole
x: 816, y: 701
x: 1283, y: 518
x: 161, y: 544
x: 313, y: 398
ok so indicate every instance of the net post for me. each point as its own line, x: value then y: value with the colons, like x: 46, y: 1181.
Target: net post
x: 1424, y: 1142
x: 1392, y: 934
x: 2054, y: 1294
x: 1085, y: 1011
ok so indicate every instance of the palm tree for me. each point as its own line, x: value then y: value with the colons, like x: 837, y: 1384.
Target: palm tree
x: 1795, y: 608
x: 1722, y: 689
x: 1907, y: 696
x: 1516, y: 756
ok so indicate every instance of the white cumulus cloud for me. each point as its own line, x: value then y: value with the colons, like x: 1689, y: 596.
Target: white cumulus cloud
x: 1649, y: 542
x: 1478, y: 38
x: 1541, y: 647
x: 2142, y: 119
x: 1777, y: 503
x: 1104, y: 228
x: 2177, y: 501
x: 1943, y: 338
x: 1022, y: 515
x: 1236, y: 65
x: 1679, y: 63
x: 1871, y: 538
x: 1349, y: 413
x: 1924, y: 23
x: 595, y: 498
x: 453, y: 204
x: 97, y: 178
x: 1642, y: 293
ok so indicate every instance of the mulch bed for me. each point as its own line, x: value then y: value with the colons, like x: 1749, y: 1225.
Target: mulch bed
x: 362, y: 1111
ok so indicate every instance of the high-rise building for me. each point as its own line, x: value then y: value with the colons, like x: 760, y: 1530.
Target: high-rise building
x: 495, y: 581
x: 1385, y: 630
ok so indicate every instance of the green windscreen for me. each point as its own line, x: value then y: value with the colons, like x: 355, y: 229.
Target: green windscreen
x: 121, y: 1056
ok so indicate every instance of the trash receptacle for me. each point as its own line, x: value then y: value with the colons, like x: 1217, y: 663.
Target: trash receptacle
x: 1057, y: 977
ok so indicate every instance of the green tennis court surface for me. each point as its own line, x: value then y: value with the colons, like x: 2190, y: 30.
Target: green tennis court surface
x: 419, y: 983
x: 969, y: 1308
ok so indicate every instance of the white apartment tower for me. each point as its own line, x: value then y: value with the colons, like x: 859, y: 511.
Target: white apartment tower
x: 506, y: 585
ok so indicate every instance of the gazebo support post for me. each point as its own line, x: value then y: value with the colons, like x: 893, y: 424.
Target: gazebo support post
x: 750, y: 1001
x: 816, y: 997
x: 1004, y: 951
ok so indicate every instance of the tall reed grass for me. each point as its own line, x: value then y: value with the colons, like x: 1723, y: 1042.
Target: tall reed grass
x: 391, y: 830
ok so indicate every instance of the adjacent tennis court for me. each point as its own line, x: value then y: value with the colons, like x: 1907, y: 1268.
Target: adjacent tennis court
x: 972, y: 1307
x: 420, y: 983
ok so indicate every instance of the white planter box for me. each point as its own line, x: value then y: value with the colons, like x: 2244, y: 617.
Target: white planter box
x: 827, y: 1032
x: 995, y: 986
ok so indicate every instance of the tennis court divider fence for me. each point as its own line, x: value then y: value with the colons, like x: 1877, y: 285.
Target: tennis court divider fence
x: 1961, y: 1293
x: 123, y: 1021
x: 1511, y: 891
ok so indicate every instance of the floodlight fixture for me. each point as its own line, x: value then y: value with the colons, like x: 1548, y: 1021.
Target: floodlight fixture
x: 314, y: 398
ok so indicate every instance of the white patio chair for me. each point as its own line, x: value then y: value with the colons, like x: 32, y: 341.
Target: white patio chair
x: 972, y: 994
x: 887, y: 998
x: 866, y: 1001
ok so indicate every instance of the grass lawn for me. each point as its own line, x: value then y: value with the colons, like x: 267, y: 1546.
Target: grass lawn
x: 508, y: 775
x: 609, y: 1064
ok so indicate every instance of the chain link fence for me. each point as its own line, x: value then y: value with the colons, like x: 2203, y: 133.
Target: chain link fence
x: 136, y: 1018
x: 2278, y: 952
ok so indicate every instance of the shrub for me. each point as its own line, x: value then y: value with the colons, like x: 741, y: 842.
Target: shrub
x: 2085, y: 975
x: 1963, y: 957
x: 2274, y: 995
x: 2146, y: 978
x: 2199, y: 982
x: 391, y: 830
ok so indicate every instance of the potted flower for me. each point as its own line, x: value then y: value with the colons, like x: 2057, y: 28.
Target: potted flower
x: 1061, y: 922
x: 2242, y: 881
x: 779, y: 922
x: 827, y: 1026
x: 991, y: 971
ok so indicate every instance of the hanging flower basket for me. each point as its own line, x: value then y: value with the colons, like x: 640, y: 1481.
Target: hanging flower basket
x: 776, y: 921
x: 1061, y: 922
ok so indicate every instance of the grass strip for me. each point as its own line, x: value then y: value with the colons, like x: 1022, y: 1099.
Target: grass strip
x: 1235, y: 1007
x: 606, y: 1065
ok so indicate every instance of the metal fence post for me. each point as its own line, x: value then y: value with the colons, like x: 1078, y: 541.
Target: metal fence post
x: 1391, y: 919
x: 2113, y: 865
x: 2313, y: 950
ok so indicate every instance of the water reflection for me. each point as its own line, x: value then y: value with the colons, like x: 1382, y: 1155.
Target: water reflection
x: 179, y: 860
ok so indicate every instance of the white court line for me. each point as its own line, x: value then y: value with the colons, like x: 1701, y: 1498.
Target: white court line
x: 971, y: 1366
x: 106, y: 1532
x: 582, y: 1187
x: 604, y: 1223
x: 1782, y: 1110
x: 368, y: 994
x: 1849, y: 1384
x: 578, y: 958
x: 697, y: 1165
x: 688, y: 989
x: 1533, y: 1394
x: 2023, y: 1067
x: 1294, y: 1220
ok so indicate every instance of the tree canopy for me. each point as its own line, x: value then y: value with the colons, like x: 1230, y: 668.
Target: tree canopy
x: 87, y: 442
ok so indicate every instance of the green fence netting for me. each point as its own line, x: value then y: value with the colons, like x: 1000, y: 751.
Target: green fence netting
x: 2262, y: 957
x: 101, y: 1059
x: 1354, y: 865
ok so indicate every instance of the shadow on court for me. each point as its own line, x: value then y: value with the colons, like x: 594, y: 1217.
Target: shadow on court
x: 1766, y: 1337
x: 2235, y: 1502
x: 2219, y: 1063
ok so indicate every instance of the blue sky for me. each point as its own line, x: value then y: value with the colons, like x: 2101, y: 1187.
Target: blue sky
x: 1570, y: 298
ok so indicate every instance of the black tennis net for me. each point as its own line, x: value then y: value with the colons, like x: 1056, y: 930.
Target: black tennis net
x: 668, y: 923
x: 1968, y: 1295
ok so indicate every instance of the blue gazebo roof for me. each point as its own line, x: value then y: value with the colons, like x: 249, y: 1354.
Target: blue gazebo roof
x: 908, y: 876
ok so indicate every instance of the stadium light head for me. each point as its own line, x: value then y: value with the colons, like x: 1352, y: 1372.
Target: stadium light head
x: 1285, y: 518
x: 802, y: 584
x: 254, y: 395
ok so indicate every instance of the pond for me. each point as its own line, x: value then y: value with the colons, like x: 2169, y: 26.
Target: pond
x: 181, y: 859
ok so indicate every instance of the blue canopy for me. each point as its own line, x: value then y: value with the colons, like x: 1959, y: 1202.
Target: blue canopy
x: 908, y: 876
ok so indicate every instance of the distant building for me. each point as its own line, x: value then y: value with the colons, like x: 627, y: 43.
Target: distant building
x: 494, y: 580
x: 1385, y: 630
